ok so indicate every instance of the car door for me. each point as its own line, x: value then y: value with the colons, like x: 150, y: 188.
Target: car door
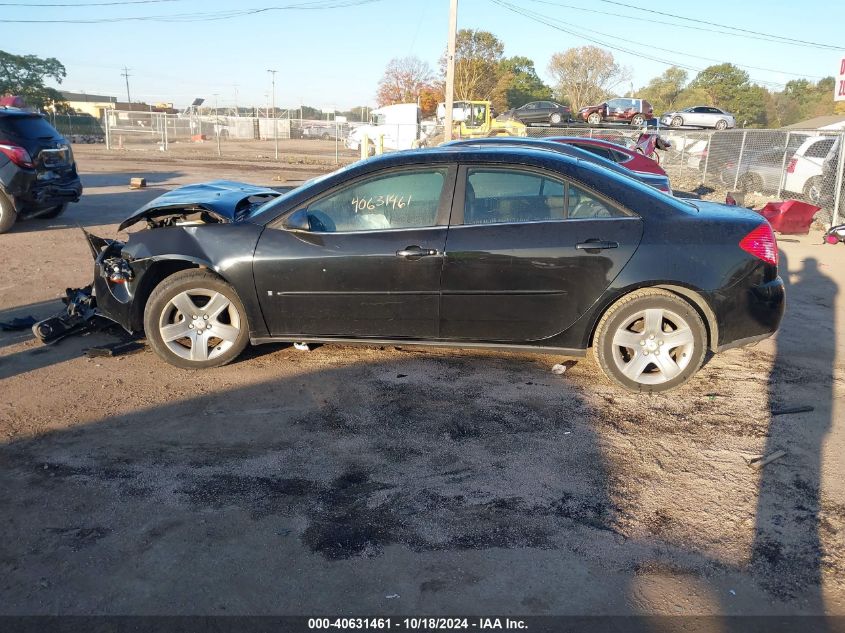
x: 528, y: 113
x: 367, y: 262
x: 528, y: 253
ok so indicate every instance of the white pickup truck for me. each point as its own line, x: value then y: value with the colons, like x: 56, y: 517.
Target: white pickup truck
x: 398, y: 124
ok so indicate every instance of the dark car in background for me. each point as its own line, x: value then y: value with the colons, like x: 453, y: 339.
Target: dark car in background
x: 622, y: 110
x: 467, y: 247
x: 38, y: 175
x: 549, y: 112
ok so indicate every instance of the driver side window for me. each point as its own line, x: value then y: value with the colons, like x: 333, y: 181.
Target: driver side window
x: 408, y: 199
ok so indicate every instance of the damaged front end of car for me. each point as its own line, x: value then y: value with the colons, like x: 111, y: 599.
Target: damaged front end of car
x: 122, y: 279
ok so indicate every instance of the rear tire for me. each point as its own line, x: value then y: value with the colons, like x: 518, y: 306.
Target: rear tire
x: 651, y: 340
x: 594, y: 118
x: 195, y: 320
x: 8, y: 215
x: 54, y: 212
x: 721, y: 124
x: 637, y: 120
x: 555, y: 119
x: 812, y: 190
x: 750, y: 183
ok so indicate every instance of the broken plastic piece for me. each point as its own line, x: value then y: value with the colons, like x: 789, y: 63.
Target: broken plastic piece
x: 114, y: 349
x: 302, y: 347
x: 79, y: 316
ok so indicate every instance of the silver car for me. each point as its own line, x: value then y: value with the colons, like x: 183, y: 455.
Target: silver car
x: 700, y: 116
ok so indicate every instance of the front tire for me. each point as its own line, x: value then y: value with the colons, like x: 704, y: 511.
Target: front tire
x: 8, y: 215
x: 677, y: 121
x: 651, y: 340
x: 195, y: 320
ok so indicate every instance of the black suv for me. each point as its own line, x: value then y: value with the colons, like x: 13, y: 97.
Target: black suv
x: 37, y: 172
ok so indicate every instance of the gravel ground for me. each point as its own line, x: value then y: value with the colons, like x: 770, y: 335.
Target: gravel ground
x: 300, y: 482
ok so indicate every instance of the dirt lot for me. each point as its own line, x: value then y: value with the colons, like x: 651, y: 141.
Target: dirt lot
x: 394, y: 480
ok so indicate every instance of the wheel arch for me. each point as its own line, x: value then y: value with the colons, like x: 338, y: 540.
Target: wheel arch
x: 156, y: 272
x: 692, y: 295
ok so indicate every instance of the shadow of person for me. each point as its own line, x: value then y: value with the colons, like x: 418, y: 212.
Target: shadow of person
x: 786, y: 555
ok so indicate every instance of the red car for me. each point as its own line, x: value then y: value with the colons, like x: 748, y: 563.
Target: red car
x: 628, y: 158
x: 621, y: 110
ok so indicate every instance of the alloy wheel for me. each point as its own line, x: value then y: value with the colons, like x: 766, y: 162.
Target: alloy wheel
x: 653, y: 346
x: 199, y: 324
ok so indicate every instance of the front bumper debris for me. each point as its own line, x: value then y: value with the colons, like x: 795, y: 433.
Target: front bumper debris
x: 79, y: 316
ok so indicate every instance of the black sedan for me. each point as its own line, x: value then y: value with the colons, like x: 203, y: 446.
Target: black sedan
x: 502, y: 247
x: 540, y: 112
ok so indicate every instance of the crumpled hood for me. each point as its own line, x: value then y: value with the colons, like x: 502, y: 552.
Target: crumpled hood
x: 222, y: 198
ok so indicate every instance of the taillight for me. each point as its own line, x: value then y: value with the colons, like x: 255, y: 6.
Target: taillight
x: 17, y: 154
x: 791, y: 167
x: 761, y: 243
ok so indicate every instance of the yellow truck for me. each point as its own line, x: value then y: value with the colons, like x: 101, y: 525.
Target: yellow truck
x: 474, y: 119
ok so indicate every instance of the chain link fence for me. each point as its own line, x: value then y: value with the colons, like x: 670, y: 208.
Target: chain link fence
x: 752, y: 164
x: 755, y: 166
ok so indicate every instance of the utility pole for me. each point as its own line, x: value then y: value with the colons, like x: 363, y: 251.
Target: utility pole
x: 275, y: 129
x: 237, y: 113
x: 126, y: 75
x: 450, y: 68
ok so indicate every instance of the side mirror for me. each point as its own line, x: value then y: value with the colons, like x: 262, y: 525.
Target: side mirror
x: 297, y: 221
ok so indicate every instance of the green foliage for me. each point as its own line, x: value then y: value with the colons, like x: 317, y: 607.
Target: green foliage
x: 477, y: 57
x: 663, y: 91
x: 24, y: 75
x: 518, y: 84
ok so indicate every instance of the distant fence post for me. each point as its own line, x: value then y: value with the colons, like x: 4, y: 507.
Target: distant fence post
x: 107, y: 128
x: 683, y: 151
x: 783, y: 165
x: 165, y: 133
x: 707, y: 149
x: 840, y: 165
x: 739, y: 162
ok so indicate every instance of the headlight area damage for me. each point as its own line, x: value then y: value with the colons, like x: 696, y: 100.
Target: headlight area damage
x: 120, y: 266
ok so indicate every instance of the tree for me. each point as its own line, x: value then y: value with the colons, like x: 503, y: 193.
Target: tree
x: 586, y: 75
x: 430, y: 95
x: 403, y: 81
x: 663, y: 91
x: 477, y: 57
x: 24, y: 75
x: 729, y: 87
x: 518, y: 84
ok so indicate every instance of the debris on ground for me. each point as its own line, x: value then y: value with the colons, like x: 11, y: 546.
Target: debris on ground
x: 302, y: 347
x: 561, y: 368
x: 392, y: 596
x: 801, y: 409
x: 80, y: 316
x: 137, y: 183
x: 760, y: 461
x: 114, y: 349
x: 21, y: 323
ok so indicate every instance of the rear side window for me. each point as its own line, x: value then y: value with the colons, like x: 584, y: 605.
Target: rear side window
x: 583, y: 205
x: 819, y: 149
x: 26, y: 127
x: 598, y: 151
x: 503, y: 195
x: 408, y: 199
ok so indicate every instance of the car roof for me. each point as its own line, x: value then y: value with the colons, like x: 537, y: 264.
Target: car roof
x: 543, y: 145
x: 16, y: 112
x: 590, y: 141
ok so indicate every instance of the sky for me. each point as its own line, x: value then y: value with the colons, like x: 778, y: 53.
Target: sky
x: 332, y: 54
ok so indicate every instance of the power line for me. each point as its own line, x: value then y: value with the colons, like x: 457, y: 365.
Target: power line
x: 208, y: 17
x: 31, y: 5
x: 756, y: 36
x: 724, y: 26
x: 669, y: 50
x: 553, y: 23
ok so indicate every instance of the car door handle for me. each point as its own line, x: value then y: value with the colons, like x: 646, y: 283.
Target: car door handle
x: 596, y: 245
x: 415, y: 252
